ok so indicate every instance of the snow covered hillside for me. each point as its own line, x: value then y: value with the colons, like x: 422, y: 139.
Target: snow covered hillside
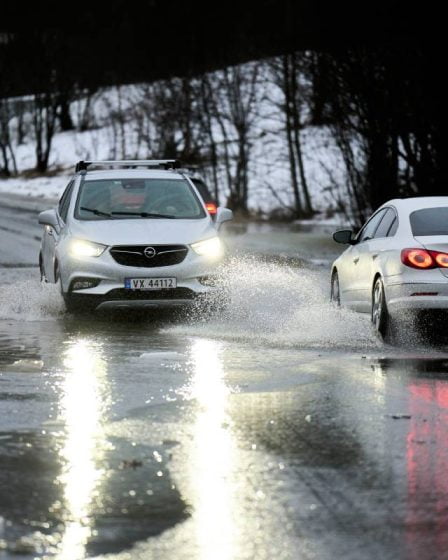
x: 120, y: 129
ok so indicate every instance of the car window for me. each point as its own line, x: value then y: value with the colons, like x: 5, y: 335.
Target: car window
x: 393, y: 228
x: 203, y: 189
x: 137, y: 198
x: 385, y: 224
x: 64, y: 196
x: 430, y: 221
x: 368, y: 231
x: 64, y: 203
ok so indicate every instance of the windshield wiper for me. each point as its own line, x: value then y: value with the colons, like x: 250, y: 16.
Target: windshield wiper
x: 143, y: 214
x: 96, y: 212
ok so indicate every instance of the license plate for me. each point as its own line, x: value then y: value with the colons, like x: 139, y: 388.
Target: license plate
x: 150, y: 283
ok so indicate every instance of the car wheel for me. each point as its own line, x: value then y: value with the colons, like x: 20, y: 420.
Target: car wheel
x: 75, y: 306
x: 57, y: 277
x: 380, y: 315
x: 41, y: 269
x: 70, y: 305
x: 335, y: 294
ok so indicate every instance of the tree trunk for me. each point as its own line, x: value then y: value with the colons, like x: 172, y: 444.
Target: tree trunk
x: 298, y: 210
x: 65, y: 118
x: 295, y: 110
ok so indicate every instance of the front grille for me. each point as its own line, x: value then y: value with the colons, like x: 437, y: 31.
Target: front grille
x: 174, y: 293
x: 134, y: 255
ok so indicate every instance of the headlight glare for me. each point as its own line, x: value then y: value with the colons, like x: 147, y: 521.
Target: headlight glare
x: 211, y: 248
x: 81, y: 248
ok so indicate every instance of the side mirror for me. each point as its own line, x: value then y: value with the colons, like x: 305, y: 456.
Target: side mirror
x: 344, y: 236
x: 223, y: 215
x: 49, y: 218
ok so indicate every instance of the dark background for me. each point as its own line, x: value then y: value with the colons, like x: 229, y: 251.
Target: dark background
x: 125, y: 41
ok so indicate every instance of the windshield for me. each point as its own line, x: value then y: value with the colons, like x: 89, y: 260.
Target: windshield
x: 430, y: 221
x: 137, y: 198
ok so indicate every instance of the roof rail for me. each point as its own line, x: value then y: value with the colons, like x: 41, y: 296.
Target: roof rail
x: 130, y: 164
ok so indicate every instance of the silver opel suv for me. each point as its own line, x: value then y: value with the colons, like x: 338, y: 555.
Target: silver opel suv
x: 131, y: 234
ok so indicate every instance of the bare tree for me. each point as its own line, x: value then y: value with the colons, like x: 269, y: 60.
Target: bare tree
x: 206, y: 116
x: 289, y: 78
x: 236, y: 98
x: 8, y: 159
x: 43, y: 118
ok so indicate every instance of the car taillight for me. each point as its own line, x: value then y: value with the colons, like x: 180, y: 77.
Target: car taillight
x: 211, y: 207
x: 417, y: 258
x: 441, y: 259
x: 423, y: 259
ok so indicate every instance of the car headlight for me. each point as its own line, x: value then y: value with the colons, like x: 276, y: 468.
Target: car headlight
x: 211, y: 248
x: 81, y: 248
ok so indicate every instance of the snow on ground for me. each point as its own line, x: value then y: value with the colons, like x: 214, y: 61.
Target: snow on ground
x: 269, y: 168
x: 39, y: 187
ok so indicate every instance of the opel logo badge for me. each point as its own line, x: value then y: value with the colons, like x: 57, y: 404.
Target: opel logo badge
x: 149, y: 252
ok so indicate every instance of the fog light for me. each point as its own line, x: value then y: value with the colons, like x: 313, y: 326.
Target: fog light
x: 84, y: 283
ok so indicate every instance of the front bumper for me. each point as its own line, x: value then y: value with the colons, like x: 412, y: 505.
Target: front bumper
x: 110, y: 275
x: 128, y: 299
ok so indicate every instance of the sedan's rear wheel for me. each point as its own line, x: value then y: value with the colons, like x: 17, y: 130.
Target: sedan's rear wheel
x: 335, y: 295
x: 380, y: 314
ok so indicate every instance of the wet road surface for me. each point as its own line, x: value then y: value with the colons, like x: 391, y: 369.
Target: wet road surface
x: 281, y: 429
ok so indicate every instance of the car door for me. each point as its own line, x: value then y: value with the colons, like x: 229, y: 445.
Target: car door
x: 373, y: 252
x: 51, y: 235
x: 362, y: 263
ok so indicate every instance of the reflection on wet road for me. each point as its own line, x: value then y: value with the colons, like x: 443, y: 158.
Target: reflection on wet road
x: 83, y: 402
x: 136, y: 440
x: 212, y: 455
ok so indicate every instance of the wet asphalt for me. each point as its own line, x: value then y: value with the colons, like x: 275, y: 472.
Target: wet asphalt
x: 281, y: 429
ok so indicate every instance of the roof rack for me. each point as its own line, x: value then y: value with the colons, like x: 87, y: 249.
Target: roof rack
x: 130, y: 164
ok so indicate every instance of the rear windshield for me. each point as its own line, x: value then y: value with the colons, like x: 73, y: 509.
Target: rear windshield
x: 430, y: 221
x: 137, y: 198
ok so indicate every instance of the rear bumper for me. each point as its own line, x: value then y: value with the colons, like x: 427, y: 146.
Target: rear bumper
x: 417, y: 303
x: 421, y: 296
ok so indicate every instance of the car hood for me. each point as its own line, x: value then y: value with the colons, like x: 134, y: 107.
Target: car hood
x: 143, y: 231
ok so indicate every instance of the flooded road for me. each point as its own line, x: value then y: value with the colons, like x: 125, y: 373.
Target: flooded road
x: 281, y: 428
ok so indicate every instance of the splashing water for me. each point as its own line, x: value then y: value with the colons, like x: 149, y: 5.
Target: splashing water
x: 30, y: 300
x: 282, y: 305
x: 267, y: 303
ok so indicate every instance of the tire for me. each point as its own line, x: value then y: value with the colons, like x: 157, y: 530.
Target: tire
x: 335, y: 293
x: 57, y: 280
x: 70, y: 305
x: 380, y: 315
x: 41, y: 269
x: 57, y: 277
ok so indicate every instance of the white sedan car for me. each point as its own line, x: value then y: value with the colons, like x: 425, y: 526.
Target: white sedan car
x: 397, y: 262
x: 131, y: 234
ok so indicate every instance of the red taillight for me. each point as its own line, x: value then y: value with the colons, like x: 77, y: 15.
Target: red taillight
x: 423, y: 259
x: 441, y: 259
x: 417, y: 258
x: 211, y: 207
